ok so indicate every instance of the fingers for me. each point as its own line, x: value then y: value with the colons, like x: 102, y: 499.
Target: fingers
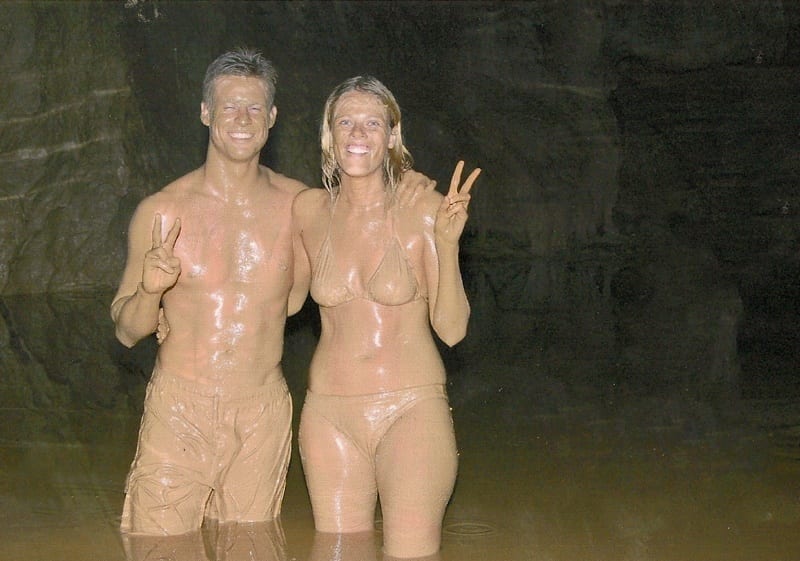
x: 457, y: 199
x: 405, y: 195
x: 157, y: 259
x: 156, y: 231
x: 172, y: 235
x: 413, y: 185
x: 170, y: 266
x: 456, y: 179
x: 456, y: 207
x: 163, y: 326
x: 470, y: 180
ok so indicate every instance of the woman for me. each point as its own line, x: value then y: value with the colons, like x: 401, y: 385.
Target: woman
x: 376, y: 420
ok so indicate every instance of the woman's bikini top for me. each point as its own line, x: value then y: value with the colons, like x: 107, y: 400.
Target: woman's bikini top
x: 393, y: 283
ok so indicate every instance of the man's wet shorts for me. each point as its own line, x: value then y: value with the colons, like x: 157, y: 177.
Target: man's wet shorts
x: 205, y: 452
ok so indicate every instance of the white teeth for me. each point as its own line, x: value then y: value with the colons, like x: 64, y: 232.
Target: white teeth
x: 241, y: 135
x: 357, y: 149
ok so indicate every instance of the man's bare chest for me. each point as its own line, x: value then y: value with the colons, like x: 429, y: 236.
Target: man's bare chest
x: 235, y: 249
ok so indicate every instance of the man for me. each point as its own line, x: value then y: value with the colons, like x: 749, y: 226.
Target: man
x: 215, y: 437
x: 217, y: 418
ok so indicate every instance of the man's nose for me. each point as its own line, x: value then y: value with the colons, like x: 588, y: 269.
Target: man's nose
x: 243, y: 116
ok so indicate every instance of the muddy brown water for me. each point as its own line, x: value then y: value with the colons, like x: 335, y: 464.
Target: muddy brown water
x: 576, y: 485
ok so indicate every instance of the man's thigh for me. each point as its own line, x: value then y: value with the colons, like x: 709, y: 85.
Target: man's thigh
x: 252, y: 479
x: 169, y: 482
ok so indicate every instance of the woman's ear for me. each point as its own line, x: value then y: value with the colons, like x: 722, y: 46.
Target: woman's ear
x: 394, y: 135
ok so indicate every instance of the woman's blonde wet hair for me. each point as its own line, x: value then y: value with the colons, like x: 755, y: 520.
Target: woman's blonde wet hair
x: 397, y: 161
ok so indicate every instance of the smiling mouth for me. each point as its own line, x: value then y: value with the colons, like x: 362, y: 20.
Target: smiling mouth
x: 357, y: 149
x: 241, y: 135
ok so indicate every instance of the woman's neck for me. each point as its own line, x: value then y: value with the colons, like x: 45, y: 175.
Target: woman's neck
x: 362, y: 194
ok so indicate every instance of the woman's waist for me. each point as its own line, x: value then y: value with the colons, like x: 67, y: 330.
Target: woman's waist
x: 371, y: 334
x: 343, y: 373
x: 378, y: 349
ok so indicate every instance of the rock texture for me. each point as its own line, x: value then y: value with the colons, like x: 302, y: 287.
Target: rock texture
x: 635, y: 227
x: 63, y: 161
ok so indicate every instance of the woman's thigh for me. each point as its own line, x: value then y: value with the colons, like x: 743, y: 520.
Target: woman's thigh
x: 417, y: 462
x: 340, y: 480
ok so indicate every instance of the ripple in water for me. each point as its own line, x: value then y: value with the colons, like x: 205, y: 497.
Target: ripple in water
x: 468, y: 528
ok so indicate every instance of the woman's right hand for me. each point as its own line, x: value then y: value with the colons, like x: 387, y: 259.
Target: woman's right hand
x: 452, y: 214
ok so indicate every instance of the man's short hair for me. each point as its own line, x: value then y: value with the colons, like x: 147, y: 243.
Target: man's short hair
x: 240, y: 62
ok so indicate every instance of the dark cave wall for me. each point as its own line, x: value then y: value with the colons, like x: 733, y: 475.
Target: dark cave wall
x: 723, y: 180
x: 634, y: 226
x: 63, y: 162
x: 709, y: 168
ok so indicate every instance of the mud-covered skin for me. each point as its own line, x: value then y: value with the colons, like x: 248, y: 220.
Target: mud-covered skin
x: 212, y: 255
x: 370, y: 427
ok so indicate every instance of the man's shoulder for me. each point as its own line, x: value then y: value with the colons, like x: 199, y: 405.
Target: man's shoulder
x: 312, y: 198
x: 180, y: 186
x: 314, y: 194
x: 283, y: 183
x: 309, y: 203
x: 171, y: 196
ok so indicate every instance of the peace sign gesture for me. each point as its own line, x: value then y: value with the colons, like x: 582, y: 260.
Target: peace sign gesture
x: 161, y: 268
x: 452, y: 213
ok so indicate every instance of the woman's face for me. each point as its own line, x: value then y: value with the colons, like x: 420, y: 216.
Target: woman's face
x: 361, y: 134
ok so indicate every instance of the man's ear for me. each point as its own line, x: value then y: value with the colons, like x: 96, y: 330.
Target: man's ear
x: 205, y: 116
x: 273, y: 115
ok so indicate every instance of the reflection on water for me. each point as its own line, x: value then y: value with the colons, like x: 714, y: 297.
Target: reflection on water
x: 556, y: 479
x: 216, y: 542
x: 254, y: 542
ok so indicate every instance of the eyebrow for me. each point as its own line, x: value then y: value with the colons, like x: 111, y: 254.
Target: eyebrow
x: 339, y: 114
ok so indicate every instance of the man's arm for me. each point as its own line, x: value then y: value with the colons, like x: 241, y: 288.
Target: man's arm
x: 151, y: 269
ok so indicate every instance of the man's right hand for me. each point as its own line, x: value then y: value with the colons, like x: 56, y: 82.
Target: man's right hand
x: 161, y: 268
x: 412, y: 185
x: 163, y: 326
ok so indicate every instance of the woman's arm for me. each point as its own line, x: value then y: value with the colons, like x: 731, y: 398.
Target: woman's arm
x: 449, y: 307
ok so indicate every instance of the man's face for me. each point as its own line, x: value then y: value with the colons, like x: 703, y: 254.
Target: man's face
x: 240, y: 118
